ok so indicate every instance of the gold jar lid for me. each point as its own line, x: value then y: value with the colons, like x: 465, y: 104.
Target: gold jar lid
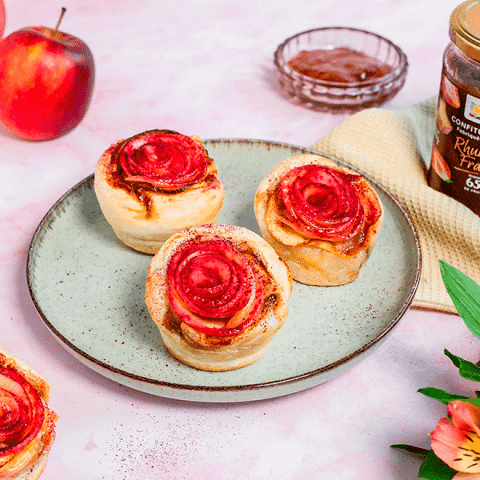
x: 465, y: 28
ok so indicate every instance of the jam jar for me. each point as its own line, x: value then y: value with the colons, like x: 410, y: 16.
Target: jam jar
x: 455, y: 161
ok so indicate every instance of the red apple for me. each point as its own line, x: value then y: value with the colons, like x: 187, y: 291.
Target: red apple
x: 46, y: 82
x: 2, y: 18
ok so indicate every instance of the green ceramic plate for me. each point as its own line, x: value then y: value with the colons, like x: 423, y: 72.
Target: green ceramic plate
x: 89, y: 289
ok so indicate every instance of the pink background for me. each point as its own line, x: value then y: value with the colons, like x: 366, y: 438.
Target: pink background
x: 205, y: 68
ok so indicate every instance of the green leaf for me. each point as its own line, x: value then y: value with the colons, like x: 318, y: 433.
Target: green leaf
x: 421, y: 452
x: 433, y: 468
x: 466, y: 369
x: 446, y: 397
x: 442, y: 396
x: 465, y: 295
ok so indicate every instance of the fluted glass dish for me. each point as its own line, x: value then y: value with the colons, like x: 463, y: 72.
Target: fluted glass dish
x: 339, y: 97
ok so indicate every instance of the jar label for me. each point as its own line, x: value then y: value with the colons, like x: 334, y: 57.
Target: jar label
x: 455, y: 162
x: 472, y: 109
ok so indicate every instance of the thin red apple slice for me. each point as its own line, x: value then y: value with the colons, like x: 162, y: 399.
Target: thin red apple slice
x: 214, y: 288
x: 250, y: 312
x: 21, y: 412
x: 164, y: 159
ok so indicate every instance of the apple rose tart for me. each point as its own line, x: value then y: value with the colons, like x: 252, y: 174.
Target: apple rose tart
x: 154, y: 184
x: 27, y: 425
x: 321, y: 218
x: 218, y: 294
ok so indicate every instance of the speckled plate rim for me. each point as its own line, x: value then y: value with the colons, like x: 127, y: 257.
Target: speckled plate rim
x: 276, y: 387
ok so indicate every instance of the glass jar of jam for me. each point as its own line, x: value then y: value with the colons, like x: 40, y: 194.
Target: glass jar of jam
x: 455, y: 162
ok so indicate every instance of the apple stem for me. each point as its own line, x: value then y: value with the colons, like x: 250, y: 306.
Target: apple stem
x: 60, y: 19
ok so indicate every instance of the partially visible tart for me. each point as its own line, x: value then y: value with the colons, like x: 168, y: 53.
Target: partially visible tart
x: 322, y: 219
x: 154, y: 184
x: 27, y: 424
x: 218, y: 294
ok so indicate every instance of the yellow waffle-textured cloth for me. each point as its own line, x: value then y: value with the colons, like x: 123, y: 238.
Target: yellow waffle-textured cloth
x: 394, y: 148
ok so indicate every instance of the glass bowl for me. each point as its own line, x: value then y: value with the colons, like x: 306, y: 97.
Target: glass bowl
x: 338, y: 97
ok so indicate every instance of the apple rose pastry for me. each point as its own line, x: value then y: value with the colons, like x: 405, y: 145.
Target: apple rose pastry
x: 218, y: 294
x: 27, y: 425
x: 154, y: 184
x: 321, y: 218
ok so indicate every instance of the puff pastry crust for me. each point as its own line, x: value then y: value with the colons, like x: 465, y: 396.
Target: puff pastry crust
x: 154, y: 184
x: 247, y: 288
x: 28, y: 462
x: 322, y: 219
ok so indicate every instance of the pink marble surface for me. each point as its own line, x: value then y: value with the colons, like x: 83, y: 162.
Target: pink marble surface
x: 205, y: 68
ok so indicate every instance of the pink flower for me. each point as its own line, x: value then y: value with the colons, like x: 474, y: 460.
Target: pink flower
x: 456, y: 440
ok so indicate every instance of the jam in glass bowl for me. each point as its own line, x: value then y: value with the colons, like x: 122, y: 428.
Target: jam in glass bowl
x: 340, y: 69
